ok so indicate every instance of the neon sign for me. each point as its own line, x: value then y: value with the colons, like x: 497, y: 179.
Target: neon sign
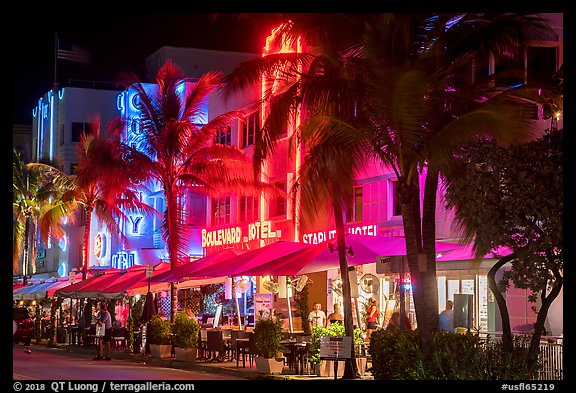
x: 322, y: 236
x: 135, y: 220
x: 100, y: 245
x: 123, y: 260
x: 233, y: 235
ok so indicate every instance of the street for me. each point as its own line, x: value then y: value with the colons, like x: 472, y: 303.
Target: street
x: 51, y: 364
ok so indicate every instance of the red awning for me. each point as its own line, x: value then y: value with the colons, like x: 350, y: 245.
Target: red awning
x: 235, y: 265
x: 307, y: 258
x: 90, y: 287
x: 185, y: 272
x: 135, y: 282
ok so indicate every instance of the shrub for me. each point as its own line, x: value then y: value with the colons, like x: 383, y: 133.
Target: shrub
x: 159, y: 331
x: 267, y: 335
x: 185, y: 331
x: 335, y: 329
x: 397, y: 355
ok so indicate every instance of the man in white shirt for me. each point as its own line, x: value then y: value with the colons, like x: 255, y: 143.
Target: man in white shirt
x: 446, y: 318
x: 317, y: 317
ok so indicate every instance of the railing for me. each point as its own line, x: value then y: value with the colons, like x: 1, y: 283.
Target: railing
x: 551, y: 355
x: 551, y: 359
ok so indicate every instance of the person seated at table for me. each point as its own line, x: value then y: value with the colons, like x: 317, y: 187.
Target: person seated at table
x: 335, y: 316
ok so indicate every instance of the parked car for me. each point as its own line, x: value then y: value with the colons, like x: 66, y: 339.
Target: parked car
x: 23, y: 326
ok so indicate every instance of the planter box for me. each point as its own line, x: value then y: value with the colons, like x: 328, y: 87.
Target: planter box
x: 326, y: 367
x: 161, y: 351
x: 185, y: 354
x: 268, y: 366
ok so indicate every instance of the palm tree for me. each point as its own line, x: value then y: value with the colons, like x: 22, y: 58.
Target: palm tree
x: 312, y: 80
x: 422, y: 103
x: 181, y: 156
x: 101, y: 185
x: 37, y: 202
x: 408, y: 78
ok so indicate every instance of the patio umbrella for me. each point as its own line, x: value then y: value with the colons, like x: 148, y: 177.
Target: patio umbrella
x: 149, y: 309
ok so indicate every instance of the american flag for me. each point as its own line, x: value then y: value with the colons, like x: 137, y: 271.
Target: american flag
x: 73, y: 53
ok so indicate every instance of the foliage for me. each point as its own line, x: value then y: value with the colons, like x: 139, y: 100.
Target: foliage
x: 398, y: 356
x: 513, y: 196
x: 335, y: 329
x: 301, y: 300
x: 267, y: 336
x: 159, y: 331
x: 185, y: 330
x: 37, y: 200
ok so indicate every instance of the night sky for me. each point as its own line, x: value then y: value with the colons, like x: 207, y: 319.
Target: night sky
x: 117, y: 42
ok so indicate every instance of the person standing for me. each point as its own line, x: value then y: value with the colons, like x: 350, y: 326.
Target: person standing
x: 335, y: 316
x: 317, y: 317
x: 446, y: 317
x: 105, y: 319
x: 371, y: 317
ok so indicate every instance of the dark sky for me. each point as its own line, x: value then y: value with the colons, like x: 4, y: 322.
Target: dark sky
x: 117, y: 42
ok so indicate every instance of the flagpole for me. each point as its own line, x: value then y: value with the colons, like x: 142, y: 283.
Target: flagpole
x: 56, y: 44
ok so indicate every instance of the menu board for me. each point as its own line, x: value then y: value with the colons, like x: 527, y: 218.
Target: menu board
x: 262, y: 304
x: 335, y: 347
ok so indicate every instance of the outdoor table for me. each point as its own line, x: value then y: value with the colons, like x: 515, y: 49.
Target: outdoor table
x: 241, y: 345
x: 292, y: 344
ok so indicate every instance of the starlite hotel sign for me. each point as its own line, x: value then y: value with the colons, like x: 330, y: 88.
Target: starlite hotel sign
x: 234, y: 235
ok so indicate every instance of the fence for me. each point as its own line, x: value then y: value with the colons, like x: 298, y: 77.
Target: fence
x: 551, y: 356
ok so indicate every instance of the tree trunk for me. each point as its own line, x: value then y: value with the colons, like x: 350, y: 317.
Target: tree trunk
x: 172, y: 242
x: 26, y: 251
x: 350, y: 369
x: 86, y: 243
x: 421, y: 286
x: 541, y: 318
x: 507, y: 342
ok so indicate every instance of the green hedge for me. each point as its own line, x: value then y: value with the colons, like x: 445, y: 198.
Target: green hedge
x: 397, y: 355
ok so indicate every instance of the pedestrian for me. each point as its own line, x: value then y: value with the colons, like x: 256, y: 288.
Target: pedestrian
x: 335, y: 316
x: 317, y: 317
x: 371, y: 317
x: 394, y: 323
x: 446, y: 317
x: 106, y: 341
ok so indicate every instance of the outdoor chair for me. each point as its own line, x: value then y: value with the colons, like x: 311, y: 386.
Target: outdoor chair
x: 215, y: 343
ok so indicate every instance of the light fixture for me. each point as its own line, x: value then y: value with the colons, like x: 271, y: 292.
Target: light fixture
x: 333, y: 248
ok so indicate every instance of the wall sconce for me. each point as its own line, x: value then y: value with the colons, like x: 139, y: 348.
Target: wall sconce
x: 333, y: 248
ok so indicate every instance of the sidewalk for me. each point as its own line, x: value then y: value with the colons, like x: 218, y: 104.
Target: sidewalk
x: 226, y: 367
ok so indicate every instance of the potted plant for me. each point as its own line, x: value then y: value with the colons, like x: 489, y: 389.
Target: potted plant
x: 159, y: 337
x: 186, y: 332
x: 325, y: 368
x: 267, y: 336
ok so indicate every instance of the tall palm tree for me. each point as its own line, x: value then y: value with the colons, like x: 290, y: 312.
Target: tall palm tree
x: 311, y: 82
x: 422, y: 103
x: 407, y: 77
x: 37, y: 203
x: 181, y: 156
x: 101, y: 185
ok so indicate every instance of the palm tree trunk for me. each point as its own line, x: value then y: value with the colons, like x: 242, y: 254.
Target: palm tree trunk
x: 350, y: 370
x: 507, y: 343
x: 172, y: 243
x: 26, y: 245
x: 86, y: 243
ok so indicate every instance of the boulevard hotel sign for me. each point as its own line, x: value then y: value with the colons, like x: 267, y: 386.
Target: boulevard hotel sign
x: 235, y: 235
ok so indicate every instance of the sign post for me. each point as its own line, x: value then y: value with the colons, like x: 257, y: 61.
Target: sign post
x: 149, y: 273
x: 335, y: 348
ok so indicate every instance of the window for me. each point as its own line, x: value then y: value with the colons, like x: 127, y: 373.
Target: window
x: 248, y: 209
x: 62, y: 135
x: 224, y: 136
x: 354, y: 212
x: 221, y: 211
x: 79, y: 128
x: 395, y: 206
x: 250, y: 126
x: 278, y: 204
